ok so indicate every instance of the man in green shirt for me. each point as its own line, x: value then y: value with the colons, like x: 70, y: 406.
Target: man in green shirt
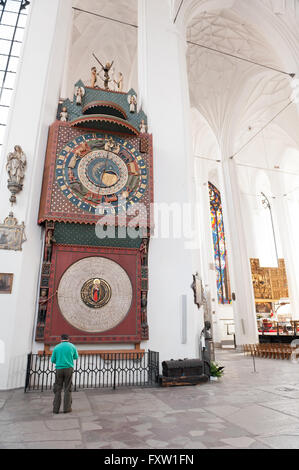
x: 64, y: 355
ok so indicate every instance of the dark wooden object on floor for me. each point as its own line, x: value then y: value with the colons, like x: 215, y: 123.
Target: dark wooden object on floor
x: 183, y: 381
x: 184, y: 372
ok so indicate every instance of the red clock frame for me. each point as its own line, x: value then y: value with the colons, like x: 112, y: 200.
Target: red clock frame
x: 128, y: 331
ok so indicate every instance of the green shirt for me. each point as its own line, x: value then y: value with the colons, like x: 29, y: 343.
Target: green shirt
x: 64, y: 355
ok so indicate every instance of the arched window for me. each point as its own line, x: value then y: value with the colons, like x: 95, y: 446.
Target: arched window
x: 221, y: 265
x: 13, y: 17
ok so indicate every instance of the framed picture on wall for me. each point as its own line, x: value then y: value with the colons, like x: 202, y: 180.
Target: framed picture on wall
x: 6, y: 281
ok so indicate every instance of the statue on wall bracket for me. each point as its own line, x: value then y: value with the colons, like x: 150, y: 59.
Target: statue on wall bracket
x: 198, y: 290
x: 12, y: 235
x: 15, y: 167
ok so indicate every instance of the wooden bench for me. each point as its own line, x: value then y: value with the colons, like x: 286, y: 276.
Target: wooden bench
x: 269, y: 350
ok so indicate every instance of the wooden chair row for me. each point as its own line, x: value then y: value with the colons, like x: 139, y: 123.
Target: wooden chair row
x: 270, y: 350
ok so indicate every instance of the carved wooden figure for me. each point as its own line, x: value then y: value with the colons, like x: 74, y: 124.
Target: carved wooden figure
x: 49, y: 245
x: 94, y: 78
x: 64, y: 114
x: 143, y: 127
x: 79, y: 92
x: 143, y: 250
x: 106, y: 69
x: 132, y: 100
x: 42, y: 311
x: 119, y: 83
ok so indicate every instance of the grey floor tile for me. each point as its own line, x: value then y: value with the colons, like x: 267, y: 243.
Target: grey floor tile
x: 244, y: 410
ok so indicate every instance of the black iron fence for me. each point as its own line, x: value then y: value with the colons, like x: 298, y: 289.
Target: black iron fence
x: 130, y: 369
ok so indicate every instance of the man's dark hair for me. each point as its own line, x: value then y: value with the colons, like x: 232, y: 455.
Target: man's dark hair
x: 65, y: 337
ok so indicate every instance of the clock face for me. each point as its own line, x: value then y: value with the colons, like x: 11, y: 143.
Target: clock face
x: 96, y: 169
x: 103, y: 173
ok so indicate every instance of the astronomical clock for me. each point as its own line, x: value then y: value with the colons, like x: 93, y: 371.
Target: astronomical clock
x: 95, y: 208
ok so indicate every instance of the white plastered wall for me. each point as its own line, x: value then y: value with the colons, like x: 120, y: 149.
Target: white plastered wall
x: 33, y: 110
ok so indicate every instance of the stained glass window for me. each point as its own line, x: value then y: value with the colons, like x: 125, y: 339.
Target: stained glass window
x: 221, y: 264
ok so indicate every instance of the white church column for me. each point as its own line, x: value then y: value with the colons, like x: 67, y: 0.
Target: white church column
x: 289, y: 241
x: 240, y: 271
x: 206, y: 241
x: 174, y: 320
x: 33, y: 110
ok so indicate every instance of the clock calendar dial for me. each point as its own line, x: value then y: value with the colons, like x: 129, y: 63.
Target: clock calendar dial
x: 95, y: 294
x: 93, y: 169
x: 103, y: 173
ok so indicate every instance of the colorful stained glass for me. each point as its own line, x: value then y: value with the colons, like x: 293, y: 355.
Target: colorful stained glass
x: 221, y: 265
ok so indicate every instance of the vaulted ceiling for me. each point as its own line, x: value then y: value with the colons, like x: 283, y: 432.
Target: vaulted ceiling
x: 95, y: 32
x: 220, y: 85
x: 236, y: 98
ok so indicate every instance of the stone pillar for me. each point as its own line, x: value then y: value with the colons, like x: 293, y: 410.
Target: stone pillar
x: 240, y: 271
x: 163, y: 92
x: 205, y: 235
x: 281, y: 208
x: 206, y: 240
x: 33, y: 110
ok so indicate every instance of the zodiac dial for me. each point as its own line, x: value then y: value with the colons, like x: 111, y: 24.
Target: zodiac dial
x: 103, y: 173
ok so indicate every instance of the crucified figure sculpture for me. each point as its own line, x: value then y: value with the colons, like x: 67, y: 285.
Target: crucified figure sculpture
x: 106, y: 69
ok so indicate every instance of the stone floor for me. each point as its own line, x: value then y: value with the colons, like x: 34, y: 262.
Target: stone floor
x: 247, y: 409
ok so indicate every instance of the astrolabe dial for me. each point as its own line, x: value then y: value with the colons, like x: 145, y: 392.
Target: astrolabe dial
x: 95, y: 169
x: 96, y: 293
x: 103, y: 173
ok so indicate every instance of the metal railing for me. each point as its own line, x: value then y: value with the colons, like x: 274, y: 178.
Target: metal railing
x: 132, y: 369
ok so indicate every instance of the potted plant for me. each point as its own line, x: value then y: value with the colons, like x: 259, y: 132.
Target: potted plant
x: 217, y: 371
